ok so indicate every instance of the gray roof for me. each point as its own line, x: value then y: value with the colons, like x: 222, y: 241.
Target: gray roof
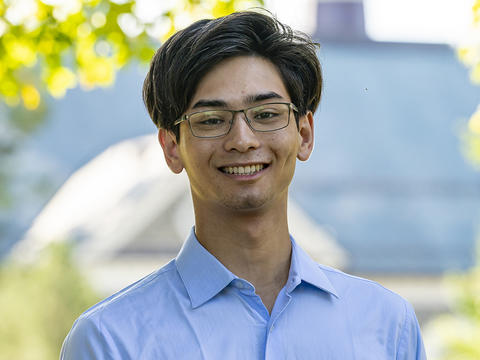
x: 126, y: 209
x: 387, y: 176
x: 387, y: 172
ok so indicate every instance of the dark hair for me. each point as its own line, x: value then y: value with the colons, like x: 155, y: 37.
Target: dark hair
x: 185, y: 58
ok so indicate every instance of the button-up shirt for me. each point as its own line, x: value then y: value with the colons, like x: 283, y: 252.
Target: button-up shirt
x: 195, y: 308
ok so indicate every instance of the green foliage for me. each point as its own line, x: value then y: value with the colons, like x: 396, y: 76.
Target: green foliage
x: 456, y: 336
x: 471, y: 140
x: 51, y: 45
x: 39, y: 303
x: 469, y: 54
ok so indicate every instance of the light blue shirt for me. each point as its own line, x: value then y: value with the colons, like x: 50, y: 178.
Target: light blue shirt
x: 195, y: 308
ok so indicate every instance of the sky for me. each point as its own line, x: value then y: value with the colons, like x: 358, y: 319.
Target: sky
x: 427, y: 21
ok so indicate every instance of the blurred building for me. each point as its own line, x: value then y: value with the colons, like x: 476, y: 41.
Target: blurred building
x: 387, y: 184
x: 128, y: 214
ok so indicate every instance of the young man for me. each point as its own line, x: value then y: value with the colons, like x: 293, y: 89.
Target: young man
x: 234, y: 100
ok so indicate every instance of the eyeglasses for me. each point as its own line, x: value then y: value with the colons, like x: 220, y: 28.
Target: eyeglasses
x: 216, y: 123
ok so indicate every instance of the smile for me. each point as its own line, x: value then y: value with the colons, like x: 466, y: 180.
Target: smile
x: 243, y: 170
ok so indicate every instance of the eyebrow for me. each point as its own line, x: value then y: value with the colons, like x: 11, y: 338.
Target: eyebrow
x: 249, y: 99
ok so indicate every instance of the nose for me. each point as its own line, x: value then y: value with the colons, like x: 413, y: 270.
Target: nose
x: 241, y: 137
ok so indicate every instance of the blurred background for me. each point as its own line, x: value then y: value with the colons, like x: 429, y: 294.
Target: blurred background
x: 392, y: 191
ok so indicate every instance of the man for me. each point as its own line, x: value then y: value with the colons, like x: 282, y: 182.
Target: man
x: 234, y: 100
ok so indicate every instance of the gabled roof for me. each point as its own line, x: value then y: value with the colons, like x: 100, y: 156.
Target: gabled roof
x: 126, y: 203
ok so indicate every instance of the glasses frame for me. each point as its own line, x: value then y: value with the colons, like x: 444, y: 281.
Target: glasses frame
x: 291, y: 108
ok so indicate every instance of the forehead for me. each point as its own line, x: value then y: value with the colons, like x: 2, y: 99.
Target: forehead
x: 235, y: 81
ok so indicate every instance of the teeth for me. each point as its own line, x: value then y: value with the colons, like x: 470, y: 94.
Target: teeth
x: 243, y: 170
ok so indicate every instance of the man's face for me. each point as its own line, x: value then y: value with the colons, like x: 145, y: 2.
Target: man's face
x: 238, y: 83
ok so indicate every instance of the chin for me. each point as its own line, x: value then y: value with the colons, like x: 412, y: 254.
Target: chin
x: 245, y: 203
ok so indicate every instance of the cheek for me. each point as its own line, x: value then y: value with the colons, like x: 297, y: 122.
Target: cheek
x: 197, y: 155
x: 287, y: 147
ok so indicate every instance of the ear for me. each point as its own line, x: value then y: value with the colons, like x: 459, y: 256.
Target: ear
x: 305, y: 129
x: 169, y: 144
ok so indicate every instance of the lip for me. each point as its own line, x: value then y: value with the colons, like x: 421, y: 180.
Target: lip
x: 264, y: 163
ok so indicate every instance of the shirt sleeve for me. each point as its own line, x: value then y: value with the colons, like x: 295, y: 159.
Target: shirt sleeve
x: 410, y: 346
x: 85, y: 341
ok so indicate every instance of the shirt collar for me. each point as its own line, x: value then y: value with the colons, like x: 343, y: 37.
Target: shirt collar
x: 203, y: 275
x: 303, y: 268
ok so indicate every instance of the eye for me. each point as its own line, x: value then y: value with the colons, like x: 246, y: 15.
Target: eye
x: 266, y: 114
x: 212, y: 121
x: 209, y: 118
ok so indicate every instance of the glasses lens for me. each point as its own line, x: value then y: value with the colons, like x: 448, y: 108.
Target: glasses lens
x: 210, y: 123
x: 269, y: 117
x: 214, y: 123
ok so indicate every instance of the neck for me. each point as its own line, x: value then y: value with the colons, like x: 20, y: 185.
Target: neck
x: 254, y: 245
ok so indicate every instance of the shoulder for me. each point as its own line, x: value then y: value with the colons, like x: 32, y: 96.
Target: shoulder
x: 358, y: 288
x: 136, y: 294
x: 366, y: 300
x: 100, y: 327
x: 369, y: 305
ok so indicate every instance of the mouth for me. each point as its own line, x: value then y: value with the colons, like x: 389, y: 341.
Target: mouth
x: 243, y: 170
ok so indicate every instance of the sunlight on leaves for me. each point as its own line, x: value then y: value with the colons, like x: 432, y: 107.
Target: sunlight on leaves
x: 470, y: 137
x: 30, y: 96
x: 19, y: 51
x: 475, y: 73
x: 476, y: 12
x: 474, y: 123
x: 469, y: 55
x: 457, y: 335
x: 97, y: 72
x: 59, y: 80
x: 57, y: 44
